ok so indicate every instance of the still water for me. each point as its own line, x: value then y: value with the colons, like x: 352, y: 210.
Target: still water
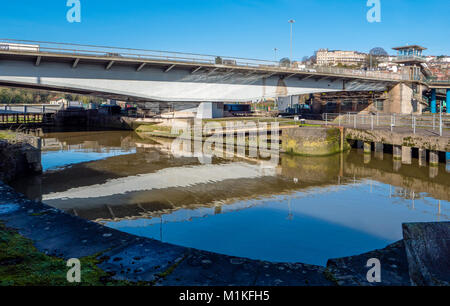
x: 300, y: 210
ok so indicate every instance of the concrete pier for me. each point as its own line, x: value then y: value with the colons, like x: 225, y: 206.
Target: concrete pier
x: 407, y: 155
x: 397, y: 152
x: 379, y: 149
x: 422, y: 157
x: 367, y: 148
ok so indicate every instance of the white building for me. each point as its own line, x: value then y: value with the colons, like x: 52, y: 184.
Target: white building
x: 335, y: 57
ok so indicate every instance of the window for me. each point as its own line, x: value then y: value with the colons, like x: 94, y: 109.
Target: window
x: 379, y: 105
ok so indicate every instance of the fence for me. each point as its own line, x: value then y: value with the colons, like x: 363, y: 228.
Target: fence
x: 438, y: 123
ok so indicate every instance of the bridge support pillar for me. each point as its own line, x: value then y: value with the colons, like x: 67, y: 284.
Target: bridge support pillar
x: 397, y: 152
x: 367, y: 148
x: 433, y: 101
x: 447, y: 101
x: 400, y: 99
x: 379, y: 148
x: 422, y: 157
x: 407, y: 155
x: 434, y: 159
x: 210, y: 110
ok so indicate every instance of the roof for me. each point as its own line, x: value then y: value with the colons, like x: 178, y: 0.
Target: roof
x: 410, y: 47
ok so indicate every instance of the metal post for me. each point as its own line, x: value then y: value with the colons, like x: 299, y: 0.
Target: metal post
x: 291, y: 22
x: 371, y: 122
x: 440, y: 123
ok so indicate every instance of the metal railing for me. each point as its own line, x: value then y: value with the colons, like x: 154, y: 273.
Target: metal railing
x: 437, y: 81
x: 437, y: 123
x: 410, y: 57
x: 131, y: 53
x: 145, y: 54
x: 29, y: 108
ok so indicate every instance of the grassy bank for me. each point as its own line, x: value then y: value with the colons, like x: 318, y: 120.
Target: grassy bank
x: 21, y: 264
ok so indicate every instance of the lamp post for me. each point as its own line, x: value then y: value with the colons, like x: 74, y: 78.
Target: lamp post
x: 292, y: 21
x: 275, y: 50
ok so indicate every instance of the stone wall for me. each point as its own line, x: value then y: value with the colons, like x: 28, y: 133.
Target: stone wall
x: 432, y: 143
x: 19, y: 157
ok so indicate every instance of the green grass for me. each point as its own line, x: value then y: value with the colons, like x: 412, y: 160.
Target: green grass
x: 311, y: 125
x: 21, y: 264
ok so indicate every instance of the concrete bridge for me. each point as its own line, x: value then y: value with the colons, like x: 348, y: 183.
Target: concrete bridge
x: 145, y: 75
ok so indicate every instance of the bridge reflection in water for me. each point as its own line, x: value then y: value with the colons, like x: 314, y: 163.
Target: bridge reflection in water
x: 301, y: 209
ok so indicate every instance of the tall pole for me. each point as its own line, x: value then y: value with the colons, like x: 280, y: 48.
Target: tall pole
x: 292, y: 21
x: 276, y: 58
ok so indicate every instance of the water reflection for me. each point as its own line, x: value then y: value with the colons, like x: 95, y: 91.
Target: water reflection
x: 301, y: 209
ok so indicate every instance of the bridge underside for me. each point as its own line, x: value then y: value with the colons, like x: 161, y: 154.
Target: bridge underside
x: 167, y: 82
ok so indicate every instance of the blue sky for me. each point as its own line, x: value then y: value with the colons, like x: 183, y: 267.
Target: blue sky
x: 230, y: 27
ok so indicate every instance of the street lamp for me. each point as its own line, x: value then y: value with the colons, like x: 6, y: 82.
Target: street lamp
x: 292, y: 21
x: 276, y: 58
